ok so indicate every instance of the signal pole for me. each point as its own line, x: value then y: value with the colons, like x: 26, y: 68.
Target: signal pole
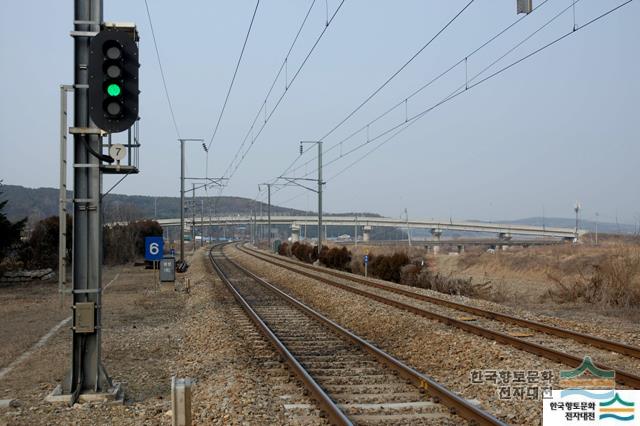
x: 87, y: 372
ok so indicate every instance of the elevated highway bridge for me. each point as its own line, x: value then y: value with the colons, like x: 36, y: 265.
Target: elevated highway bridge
x: 436, y: 227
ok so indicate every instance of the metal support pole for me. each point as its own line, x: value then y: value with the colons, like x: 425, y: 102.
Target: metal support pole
x: 62, y: 207
x: 87, y: 373
x: 355, y: 232
x: 269, y: 213
x: 261, y: 227
x: 201, y: 223
x: 182, y: 192
x: 408, y: 230
x: 319, y: 198
x: 193, y: 217
x: 182, y: 200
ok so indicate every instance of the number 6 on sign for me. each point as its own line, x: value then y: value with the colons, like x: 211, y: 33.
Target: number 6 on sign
x: 153, y: 248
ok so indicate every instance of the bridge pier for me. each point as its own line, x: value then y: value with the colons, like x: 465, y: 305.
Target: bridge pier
x: 437, y: 233
x: 366, y: 233
x: 504, y: 236
x: 295, y: 233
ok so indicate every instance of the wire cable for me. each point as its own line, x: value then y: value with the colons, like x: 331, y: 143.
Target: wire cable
x: 235, y: 72
x: 413, y: 94
x: 460, y: 90
x: 466, y: 87
x: 231, y: 169
x: 164, y: 80
x: 275, y: 80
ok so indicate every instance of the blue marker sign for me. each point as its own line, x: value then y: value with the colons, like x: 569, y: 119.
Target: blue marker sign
x: 366, y: 258
x: 153, y: 248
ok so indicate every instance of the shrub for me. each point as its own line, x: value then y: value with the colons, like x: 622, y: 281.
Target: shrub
x: 613, y: 283
x: 336, y: 258
x: 9, y: 232
x: 388, y: 268
x: 41, y: 249
x: 284, y: 249
x: 125, y: 243
x: 303, y: 252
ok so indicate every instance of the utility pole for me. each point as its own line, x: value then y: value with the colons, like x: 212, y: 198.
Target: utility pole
x: 182, y: 191
x: 269, y: 214
x: 355, y: 232
x: 319, y: 199
x: 406, y: 214
x: 193, y: 217
x: 268, y: 185
x: 577, y: 210
x: 202, y: 223
x: 319, y: 190
x: 261, y: 227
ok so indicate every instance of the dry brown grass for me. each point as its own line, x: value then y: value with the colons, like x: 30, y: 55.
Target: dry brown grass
x: 613, y: 282
x: 415, y: 276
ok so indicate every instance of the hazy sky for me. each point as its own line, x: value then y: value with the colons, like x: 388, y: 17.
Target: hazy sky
x: 559, y: 127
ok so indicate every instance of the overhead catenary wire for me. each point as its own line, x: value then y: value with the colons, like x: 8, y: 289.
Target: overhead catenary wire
x: 386, y: 82
x: 232, y: 168
x: 273, y: 83
x: 410, y: 96
x: 466, y: 87
x: 164, y: 80
x: 235, y: 73
x: 458, y: 91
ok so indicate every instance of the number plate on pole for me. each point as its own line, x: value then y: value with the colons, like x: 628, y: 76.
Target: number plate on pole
x: 153, y: 248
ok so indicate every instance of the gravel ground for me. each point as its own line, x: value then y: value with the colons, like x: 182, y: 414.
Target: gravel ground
x: 239, y: 377
x: 150, y: 336
x: 593, y: 323
x: 611, y: 359
x: 446, y: 354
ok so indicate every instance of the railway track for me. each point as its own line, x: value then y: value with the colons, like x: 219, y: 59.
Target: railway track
x: 352, y: 380
x: 530, y: 336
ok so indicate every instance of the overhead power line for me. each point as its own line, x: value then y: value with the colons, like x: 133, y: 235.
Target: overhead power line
x: 275, y: 80
x: 164, y: 80
x: 397, y: 129
x: 235, y: 72
x: 389, y: 79
x: 404, y: 101
x: 234, y: 165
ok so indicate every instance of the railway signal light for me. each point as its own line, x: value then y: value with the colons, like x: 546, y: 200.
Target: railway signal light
x: 113, y: 79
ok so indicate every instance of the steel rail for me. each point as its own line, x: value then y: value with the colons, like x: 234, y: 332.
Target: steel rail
x: 622, y: 377
x: 335, y: 415
x: 533, y: 325
x: 457, y: 405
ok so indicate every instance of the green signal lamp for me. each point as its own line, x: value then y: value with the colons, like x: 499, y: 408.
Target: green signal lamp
x: 114, y: 90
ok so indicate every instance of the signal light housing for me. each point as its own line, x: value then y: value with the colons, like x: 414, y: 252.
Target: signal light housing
x: 113, y: 80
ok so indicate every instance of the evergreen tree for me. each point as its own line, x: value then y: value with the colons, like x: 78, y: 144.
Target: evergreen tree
x: 9, y: 232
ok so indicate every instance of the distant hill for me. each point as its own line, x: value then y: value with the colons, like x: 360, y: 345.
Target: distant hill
x: 38, y: 203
